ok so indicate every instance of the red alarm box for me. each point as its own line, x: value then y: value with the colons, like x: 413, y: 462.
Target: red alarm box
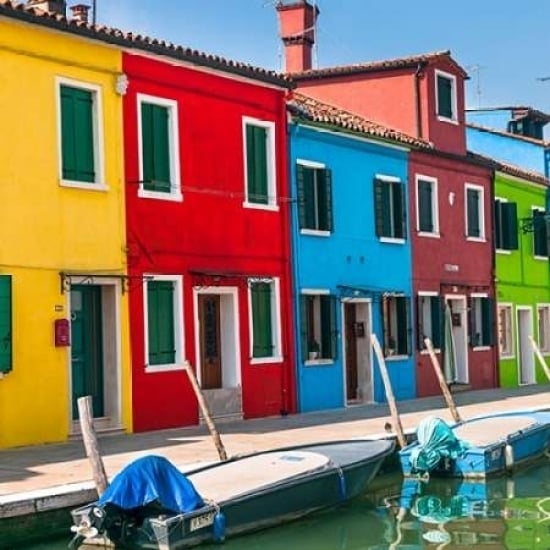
x: 62, y: 332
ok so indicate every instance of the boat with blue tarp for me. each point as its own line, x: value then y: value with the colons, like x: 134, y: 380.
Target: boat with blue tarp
x: 151, y: 504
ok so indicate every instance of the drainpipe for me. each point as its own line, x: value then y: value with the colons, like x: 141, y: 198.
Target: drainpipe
x: 495, y: 351
x: 418, y: 74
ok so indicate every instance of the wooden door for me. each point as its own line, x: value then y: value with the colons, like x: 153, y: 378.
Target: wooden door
x: 87, y: 347
x: 210, y: 343
x: 350, y: 315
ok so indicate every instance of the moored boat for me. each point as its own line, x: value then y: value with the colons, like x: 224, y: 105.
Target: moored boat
x: 152, y: 505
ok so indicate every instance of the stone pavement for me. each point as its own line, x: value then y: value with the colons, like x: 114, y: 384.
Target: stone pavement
x: 47, y: 468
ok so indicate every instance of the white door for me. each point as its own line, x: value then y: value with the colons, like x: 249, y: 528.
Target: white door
x: 525, y: 350
x: 460, y: 336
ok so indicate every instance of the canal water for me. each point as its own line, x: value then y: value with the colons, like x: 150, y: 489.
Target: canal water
x: 510, y: 513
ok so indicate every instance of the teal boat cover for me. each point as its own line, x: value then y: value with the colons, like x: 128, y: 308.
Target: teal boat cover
x: 152, y: 479
x: 435, y: 441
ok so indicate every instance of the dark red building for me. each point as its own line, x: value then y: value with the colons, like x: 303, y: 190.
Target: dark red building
x: 208, y: 237
x: 450, y: 193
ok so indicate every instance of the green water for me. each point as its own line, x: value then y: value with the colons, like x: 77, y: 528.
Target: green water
x: 506, y: 512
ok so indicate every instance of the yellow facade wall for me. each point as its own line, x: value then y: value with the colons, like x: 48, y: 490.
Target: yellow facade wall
x: 47, y: 228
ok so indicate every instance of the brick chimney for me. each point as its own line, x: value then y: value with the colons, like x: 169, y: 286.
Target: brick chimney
x: 297, y: 27
x: 50, y: 6
x: 80, y: 13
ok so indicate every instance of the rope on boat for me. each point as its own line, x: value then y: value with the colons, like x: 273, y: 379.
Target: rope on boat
x: 342, y: 481
x: 218, y: 526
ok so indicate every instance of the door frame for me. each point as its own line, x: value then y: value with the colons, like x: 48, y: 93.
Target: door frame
x: 531, y: 373
x: 111, y: 292
x: 230, y: 343
x: 367, y: 319
x: 462, y: 375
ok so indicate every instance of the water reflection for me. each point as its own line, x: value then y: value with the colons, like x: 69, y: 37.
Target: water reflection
x: 511, y: 513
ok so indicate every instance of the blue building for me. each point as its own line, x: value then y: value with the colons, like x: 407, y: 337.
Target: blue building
x: 348, y: 185
x: 511, y: 134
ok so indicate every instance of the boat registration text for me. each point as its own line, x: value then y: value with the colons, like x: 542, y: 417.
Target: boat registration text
x: 201, y: 521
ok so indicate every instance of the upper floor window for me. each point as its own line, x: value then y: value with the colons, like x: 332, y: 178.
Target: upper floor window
x: 5, y: 324
x: 427, y: 205
x: 506, y: 225
x: 429, y: 320
x: 389, y: 208
x: 159, y: 172
x: 397, y: 328
x: 481, y: 321
x: 80, y: 134
x: 264, y: 307
x: 446, y: 102
x: 259, y: 139
x: 540, y: 233
x: 318, y: 326
x: 475, y: 219
x: 314, y: 183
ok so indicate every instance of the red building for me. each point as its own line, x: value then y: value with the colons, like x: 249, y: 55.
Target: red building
x: 208, y: 237
x: 450, y: 193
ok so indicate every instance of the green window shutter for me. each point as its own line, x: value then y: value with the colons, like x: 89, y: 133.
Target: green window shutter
x: 425, y: 207
x: 328, y: 327
x: 399, y: 213
x: 325, y: 200
x: 444, y: 97
x: 304, y: 328
x: 262, y: 337
x: 5, y: 324
x: 161, y: 338
x: 155, y: 147
x: 472, y: 322
x: 402, y: 309
x: 256, y: 155
x: 381, y: 208
x: 310, y: 206
x: 498, y: 221
x: 300, y: 184
x: 509, y: 212
x: 437, y: 325
x: 472, y: 202
x: 419, y: 323
x: 487, y: 320
x: 540, y: 233
x: 77, y: 134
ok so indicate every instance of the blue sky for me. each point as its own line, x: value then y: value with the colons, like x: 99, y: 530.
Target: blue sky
x: 508, y: 41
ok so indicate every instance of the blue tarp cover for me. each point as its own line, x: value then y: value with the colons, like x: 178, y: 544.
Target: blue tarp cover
x: 150, y: 479
x: 436, y: 440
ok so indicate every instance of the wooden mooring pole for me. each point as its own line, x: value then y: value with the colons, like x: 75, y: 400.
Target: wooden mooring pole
x: 205, y: 411
x: 441, y: 379
x: 540, y: 357
x: 90, y: 443
x: 396, y: 420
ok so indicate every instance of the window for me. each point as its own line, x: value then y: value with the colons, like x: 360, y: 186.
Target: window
x: 163, y: 322
x: 80, y: 134
x: 544, y: 328
x: 475, y: 221
x: 396, y: 322
x: 481, y: 321
x: 158, y: 148
x: 264, y: 318
x: 314, y: 197
x: 427, y: 205
x: 5, y: 324
x: 389, y: 205
x: 446, y: 96
x: 259, y: 141
x: 318, y: 326
x: 429, y: 320
x: 506, y: 225
x: 540, y: 233
x: 505, y: 341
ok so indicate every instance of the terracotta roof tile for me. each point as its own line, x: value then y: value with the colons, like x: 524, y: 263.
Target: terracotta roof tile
x: 110, y: 35
x: 384, y: 65
x: 303, y: 106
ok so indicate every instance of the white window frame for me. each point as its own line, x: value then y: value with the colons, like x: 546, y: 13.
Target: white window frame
x: 544, y: 346
x: 501, y: 250
x: 317, y: 293
x: 276, y: 329
x: 174, y: 149
x: 179, y: 339
x: 427, y: 294
x: 99, y: 184
x: 454, y: 99
x: 393, y: 179
x: 509, y: 307
x: 435, y: 206
x: 316, y: 166
x: 479, y: 314
x: 481, y: 190
x: 272, y: 203
x: 534, y: 209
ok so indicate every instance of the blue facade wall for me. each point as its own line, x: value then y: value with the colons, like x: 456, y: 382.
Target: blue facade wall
x: 350, y: 262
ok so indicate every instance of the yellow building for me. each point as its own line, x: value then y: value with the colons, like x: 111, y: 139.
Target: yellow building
x: 62, y: 231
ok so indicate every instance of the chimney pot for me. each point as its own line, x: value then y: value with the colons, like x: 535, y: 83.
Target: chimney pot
x: 49, y: 6
x: 80, y: 12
